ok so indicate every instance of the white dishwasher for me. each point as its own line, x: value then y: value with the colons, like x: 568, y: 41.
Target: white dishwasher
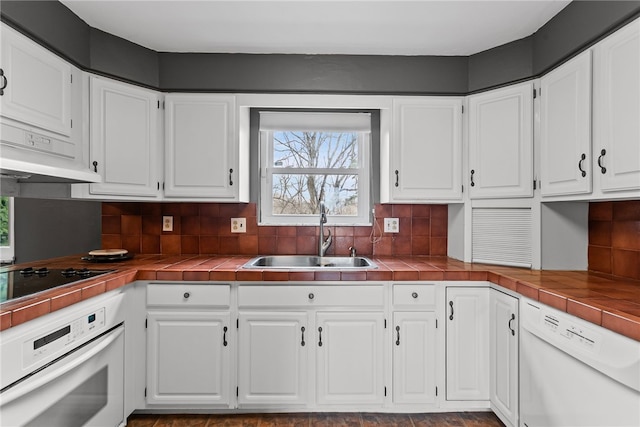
x: 574, y: 373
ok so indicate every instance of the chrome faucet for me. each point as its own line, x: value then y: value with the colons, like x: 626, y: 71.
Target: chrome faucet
x: 323, y: 244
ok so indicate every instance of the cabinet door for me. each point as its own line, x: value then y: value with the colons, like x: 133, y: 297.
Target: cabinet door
x: 272, y: 367
x: 427, y: 149
x: 617, y: 109
x: 38, y: 84
x: 414, y: 365
x: 467, y: 337
x: 200, y: 147
x: 501, y: 143
x: 349, y: 358
x: 188, y: 358
x: 565, y: 123
x: 124, y: 138
x: 504, y: 337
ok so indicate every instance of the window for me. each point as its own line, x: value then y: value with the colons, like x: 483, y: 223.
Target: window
x: 6, y: 229
x: 312, y: 157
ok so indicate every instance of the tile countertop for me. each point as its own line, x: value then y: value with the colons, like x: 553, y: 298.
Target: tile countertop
x: 611, y: 302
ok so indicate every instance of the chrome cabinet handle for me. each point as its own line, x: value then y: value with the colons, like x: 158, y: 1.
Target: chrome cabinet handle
x: 451, y: 305
x: 397, y: 177
x: 582, y: 171
x: 473, y: 184
x: 230, y: 177
x: 5, y: 82
x: 398, y: 335
x: 320, y: 336
x: 414, y: 295
x: 602, y: 154
x: 513, y: 317
x: 186, y: 295
x: 224, y: 336
x: 302, y: 330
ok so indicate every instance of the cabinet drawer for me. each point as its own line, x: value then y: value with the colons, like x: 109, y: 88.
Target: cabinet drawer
x: 188, y: 294
x: 309, y: 296
x: 414, y: 295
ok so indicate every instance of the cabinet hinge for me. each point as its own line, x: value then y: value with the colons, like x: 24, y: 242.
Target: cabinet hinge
x: 158, y: 104
x: 237, y: 323
x: 534, y: 184
x: 237, y: 391
x: 385, y: 391
x: 436, y: 391
x: 436, y: 323
x: 71, y: 78
x: 385, y: 323
x: 163, y: 186
x: 71, y: 123
x: 146, y: 323
x: 462, y: 187
x: 145, y: 392
x: 463, y: 109
x: 534, y: 94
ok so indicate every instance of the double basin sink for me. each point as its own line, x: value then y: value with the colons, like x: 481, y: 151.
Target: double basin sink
x: 310, y: 262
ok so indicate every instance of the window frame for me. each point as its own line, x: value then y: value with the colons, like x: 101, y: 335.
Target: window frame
x: 7, y: 253
x: 363, y: 173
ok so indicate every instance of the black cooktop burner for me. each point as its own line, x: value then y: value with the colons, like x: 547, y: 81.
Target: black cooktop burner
x: 19, y: 283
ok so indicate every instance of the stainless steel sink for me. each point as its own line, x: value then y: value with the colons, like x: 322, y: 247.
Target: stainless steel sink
x: 309, y: 262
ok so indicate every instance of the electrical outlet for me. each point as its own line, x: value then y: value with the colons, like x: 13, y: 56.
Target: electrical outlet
x: 167, y: 223
x: 391, y: 225
x: 238, y: 225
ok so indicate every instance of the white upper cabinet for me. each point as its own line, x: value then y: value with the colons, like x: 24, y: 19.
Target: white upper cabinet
x: 565, y: 154
x: 501, y: 143
x: 125, y: 143
x: 201, y: 147
x: 616, y: 120
x: 36, y: 84
x: 426, y: 149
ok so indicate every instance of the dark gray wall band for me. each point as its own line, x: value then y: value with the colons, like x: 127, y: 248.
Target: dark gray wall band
x: 313, y: 73
x: 53, y: 228
x: 578, y: 25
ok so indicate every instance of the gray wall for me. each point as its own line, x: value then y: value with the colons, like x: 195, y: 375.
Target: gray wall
x: 53, y: 228
x: 577, y: 26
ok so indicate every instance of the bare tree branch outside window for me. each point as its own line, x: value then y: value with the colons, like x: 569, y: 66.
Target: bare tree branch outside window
x: 315, y: 166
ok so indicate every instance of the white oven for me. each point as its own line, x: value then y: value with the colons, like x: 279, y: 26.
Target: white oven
x: 65, y: 368
x: 574, y: 373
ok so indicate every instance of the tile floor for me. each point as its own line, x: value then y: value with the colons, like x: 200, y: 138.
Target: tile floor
x: 449, y: 419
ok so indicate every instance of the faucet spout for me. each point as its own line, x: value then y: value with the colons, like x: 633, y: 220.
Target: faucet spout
x: 323, y: 244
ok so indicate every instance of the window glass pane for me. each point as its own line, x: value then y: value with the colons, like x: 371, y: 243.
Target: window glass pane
x: 297, y: 194
x: 4, y: 221
x: 315, y: 149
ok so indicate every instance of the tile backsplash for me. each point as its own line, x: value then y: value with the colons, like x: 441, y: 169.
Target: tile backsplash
x: 614, y: 238
x: 205, y: 228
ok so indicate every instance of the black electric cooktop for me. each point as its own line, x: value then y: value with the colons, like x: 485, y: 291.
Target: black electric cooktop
x: 19, y: 283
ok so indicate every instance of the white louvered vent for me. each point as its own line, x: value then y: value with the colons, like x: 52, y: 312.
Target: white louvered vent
x: 502, y: 236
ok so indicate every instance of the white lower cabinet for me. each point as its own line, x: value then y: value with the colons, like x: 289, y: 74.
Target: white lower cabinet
x: 414, y: 357
x: 311, y: 345
x: 188, y: 345
x: 188, y: 358
x: 504, y: 336
x: 349, y: 358
x: 467, y: 343
x: 273, y: 357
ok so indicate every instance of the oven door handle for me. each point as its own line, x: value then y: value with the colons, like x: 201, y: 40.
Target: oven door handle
x: 21, y: 390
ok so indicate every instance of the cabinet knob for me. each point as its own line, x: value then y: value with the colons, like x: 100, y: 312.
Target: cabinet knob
x: 414, y: 295
x: 186, y: 295
x: 311, y: 296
